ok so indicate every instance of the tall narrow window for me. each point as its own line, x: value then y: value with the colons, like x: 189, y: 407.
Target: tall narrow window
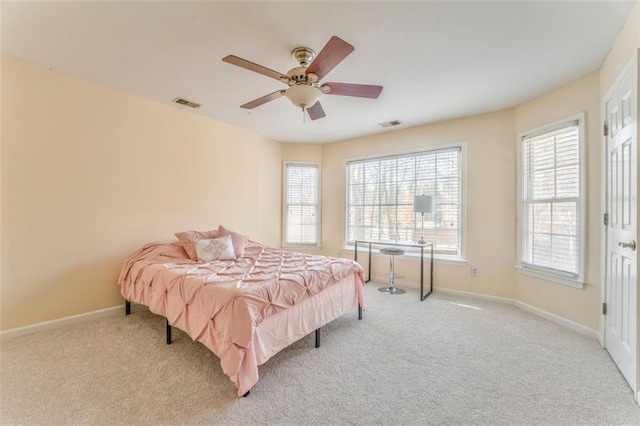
x: 301, y: 210
x: 380, y: 194
x: 552, y: 200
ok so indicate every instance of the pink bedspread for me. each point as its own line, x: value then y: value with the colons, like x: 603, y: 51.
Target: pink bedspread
x: 221, y: 303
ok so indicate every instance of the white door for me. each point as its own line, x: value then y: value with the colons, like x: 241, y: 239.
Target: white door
x: 621, y: 262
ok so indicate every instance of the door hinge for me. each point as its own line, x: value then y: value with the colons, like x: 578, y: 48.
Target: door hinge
x: 604, y: 309
x: 605, y: 129
x: 606, y: 219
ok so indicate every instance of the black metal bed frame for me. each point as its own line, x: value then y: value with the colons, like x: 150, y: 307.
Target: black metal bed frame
x: 127, y: 311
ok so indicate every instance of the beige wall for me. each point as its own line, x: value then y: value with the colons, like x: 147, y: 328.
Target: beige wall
x: 89, y: 174
x: 490, y: 202
x: 269, y: 194
x: 625, y: 45
x: 579, y: 305
x: 301, y: 152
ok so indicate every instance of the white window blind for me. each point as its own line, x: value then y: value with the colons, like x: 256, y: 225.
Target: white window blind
x: 301, y: 204
x: 551, y: 200
x: 380, y: 194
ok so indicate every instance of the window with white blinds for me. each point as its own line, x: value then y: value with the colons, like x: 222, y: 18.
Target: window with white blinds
x: 301, y: 208
x: 552, y: 200
x: 380, y: 194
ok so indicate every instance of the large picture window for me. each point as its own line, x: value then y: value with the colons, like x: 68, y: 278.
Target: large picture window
x: 301, y: 209
x: 551, y: 225
x: 380, y: 193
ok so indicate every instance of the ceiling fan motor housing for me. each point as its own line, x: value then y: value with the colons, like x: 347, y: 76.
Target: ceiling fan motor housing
x: 299, y: 75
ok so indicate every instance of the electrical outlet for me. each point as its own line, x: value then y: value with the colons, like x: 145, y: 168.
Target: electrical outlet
x: 475, y: 271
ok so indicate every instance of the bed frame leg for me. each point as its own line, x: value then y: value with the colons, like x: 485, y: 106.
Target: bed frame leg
x: 168, y: 333
x: 246, y: 394
x: 359, y: 312
x: 317, y: 338
x: 127, y: 307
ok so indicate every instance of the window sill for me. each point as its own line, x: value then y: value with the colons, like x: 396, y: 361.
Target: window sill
x: 550, y: 277
x: 410, y: 256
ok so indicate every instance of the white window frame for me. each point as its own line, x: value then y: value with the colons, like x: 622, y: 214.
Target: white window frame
x: 318, y: 243
x: 548, y: 274
x: 462, y: 146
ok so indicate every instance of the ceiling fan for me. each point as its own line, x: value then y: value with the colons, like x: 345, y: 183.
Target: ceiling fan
x: 305, y: 89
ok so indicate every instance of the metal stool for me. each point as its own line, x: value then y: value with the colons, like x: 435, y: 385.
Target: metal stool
x: 392, y: 252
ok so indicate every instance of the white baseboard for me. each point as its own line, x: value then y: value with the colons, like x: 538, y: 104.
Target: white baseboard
x: 478, y: 296
x: 594, y: 334
x: 559, y: 320
x: 47, y: 325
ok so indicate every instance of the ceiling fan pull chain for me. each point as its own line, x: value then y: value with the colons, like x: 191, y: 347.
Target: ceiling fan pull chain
x: 304, y: 119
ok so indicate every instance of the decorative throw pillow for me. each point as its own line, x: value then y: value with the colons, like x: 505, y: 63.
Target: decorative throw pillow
x: 239, y: 240
x: 215, y: 249
x: 189, y: 239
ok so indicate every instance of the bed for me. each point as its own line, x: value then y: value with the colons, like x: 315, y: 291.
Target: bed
x: 244, y: 310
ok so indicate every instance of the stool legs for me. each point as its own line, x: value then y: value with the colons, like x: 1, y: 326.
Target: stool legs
x: 392, y: 289
x: 392, y: 270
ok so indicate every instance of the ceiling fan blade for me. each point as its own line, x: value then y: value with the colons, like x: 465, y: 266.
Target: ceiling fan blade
x: 316, y: 111
x: 263, y: 100
x: 331, y: 55
x: 359, y: 90
x: 243, y: 63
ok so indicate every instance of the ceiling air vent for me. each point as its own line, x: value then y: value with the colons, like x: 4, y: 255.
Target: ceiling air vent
x: 391, y: 123
x: 185, y: 102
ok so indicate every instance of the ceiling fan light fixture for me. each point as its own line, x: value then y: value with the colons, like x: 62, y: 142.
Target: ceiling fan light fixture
x: 303, y: 96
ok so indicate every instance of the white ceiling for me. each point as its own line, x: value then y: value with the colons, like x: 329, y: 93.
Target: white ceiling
x: 436, y: 60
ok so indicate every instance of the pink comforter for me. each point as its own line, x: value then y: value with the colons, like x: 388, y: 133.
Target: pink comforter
x: 221, y: 303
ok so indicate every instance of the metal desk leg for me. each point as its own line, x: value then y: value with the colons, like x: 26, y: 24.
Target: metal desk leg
x: 369, y: 273
x: 422, y: 295
x: 431, y: 279
x: 421, y: 273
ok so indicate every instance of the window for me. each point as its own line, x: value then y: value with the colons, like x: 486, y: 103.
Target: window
x: 380, y: 195
x: 552, y: 197
x: 301, y: 216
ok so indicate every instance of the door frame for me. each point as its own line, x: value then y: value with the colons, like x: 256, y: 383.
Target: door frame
x: 603, y: 206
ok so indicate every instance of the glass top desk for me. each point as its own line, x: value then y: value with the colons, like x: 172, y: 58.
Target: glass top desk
x: 422, y: 247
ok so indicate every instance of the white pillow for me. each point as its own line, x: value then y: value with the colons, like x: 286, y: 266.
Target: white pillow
x: 215, y: 249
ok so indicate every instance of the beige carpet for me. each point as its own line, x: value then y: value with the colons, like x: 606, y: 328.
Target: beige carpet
x: 442, y: 361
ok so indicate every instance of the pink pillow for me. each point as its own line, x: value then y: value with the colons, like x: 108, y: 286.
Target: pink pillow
x: 189, y: 239
x: 239, y: 240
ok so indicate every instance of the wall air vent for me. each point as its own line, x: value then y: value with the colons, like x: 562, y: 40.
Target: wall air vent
x: 185, y: 102
x: 391, y: 123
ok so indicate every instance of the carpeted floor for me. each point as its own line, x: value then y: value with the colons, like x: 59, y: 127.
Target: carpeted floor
x: 443, y: 361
